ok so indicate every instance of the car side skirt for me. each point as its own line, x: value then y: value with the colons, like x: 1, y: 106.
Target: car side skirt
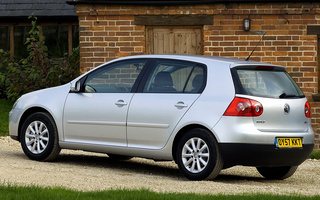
x: 263, y: 155
x: 163, y: 154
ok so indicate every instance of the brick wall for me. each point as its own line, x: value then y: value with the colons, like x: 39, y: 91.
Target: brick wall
x: 108, y: 32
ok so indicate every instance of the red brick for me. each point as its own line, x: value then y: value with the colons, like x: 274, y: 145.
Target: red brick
x: 215, y: 48
x: 126, y: 39
x: 283, y: 48
x: 283, y: 58
x: 122, y: 33
x: 231, y: 49
x: 307, y: 58
x: 226, y: 43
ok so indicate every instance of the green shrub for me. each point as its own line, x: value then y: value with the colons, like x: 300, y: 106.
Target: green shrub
x: 38, y: 71
x: 5, y: 107
x: 4, y: 63
x: 315, y: 155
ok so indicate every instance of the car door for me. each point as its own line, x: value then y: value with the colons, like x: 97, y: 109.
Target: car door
x: 164, y: 97
x: 98, y: 113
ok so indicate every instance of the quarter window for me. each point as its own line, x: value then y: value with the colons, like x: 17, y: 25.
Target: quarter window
x: 175, y: 77
x: 115, y: 78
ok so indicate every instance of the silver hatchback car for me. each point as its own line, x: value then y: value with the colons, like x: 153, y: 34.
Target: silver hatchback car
x: 205, y: 113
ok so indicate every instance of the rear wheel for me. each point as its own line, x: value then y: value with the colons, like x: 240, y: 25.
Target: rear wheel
x: 198, y: 155
x: 277, y: 173
x: 39, y: 137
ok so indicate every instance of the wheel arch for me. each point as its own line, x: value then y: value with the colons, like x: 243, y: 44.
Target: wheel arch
x: 27, y: 113
x: 183, y: 131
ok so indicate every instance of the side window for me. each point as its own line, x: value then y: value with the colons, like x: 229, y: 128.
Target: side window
x: 196, y: 81
x: 175, y: 77
x: 115, y: 78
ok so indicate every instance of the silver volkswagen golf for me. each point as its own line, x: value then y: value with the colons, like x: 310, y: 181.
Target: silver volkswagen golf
x: 205, y: 113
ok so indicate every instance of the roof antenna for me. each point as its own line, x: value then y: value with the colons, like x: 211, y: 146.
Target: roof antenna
x: 261, y: 32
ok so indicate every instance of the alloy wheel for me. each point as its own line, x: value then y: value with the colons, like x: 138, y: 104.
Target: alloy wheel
x: 195, y: 155
x: 37, y: 137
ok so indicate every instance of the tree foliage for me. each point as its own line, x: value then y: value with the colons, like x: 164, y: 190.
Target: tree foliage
x: 37, y: 71
x: 4, y: 81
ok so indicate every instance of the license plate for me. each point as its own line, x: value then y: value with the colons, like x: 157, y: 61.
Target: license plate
x: 288, y: 142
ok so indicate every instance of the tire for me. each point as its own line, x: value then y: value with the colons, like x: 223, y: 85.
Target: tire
x: 198, y: 156
x: 277, y: 173
x: 39, y: 137
x: 119, y: 157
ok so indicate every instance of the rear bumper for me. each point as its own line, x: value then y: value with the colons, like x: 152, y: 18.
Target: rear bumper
x: 263, y: 155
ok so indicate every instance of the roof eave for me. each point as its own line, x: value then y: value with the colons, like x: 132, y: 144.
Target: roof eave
x: 176, y: 2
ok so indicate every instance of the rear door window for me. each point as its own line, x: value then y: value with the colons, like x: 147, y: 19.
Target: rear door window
x: 266, y: 83
x: 170, y: 76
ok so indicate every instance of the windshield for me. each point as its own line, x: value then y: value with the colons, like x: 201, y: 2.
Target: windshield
x: 266, y: 83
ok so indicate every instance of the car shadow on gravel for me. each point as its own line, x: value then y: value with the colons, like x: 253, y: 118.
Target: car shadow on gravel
x: 223, y: 178
x: 141, y: 166
x: 146, y: 167
x: 131, y: 166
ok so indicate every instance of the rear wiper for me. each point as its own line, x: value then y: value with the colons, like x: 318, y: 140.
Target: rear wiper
x: 284, y: 95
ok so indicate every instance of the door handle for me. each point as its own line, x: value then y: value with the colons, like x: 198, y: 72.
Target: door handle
x: 181, y: 104
x: 121, y: 103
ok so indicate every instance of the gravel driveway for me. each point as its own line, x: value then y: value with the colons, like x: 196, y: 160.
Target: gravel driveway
x: 89, y: 171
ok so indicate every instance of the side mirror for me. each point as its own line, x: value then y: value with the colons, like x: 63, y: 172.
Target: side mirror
x: 75, y: 87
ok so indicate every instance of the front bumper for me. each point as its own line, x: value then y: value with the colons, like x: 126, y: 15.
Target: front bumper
x: 14, y: 117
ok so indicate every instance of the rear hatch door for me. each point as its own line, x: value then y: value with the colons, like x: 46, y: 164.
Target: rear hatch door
x: 282, y: 115
x: 282, y: 100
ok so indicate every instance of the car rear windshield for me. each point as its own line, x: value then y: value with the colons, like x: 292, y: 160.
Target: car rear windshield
x: 269, y: 82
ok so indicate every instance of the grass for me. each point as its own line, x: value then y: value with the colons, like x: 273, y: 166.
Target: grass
x: 35, y: 193
x: 5, y: 107
x: 315, y: 155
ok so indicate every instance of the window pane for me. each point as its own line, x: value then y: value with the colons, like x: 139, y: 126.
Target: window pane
x: 4, y: 38
x: 116, y: 78
x: 56, y: 40
x: 173, y: 77
x: 75, y: 36
x: 21, y: 33
x: 274, y: 84
x: 196, y: 81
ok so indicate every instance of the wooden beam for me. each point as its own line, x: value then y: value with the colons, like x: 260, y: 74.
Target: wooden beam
x: 315, y: 30
x: 12, y: 41
x: 316, y: 97
x: 174, y: 20
x: 318, y: 61
x: 70, y: 39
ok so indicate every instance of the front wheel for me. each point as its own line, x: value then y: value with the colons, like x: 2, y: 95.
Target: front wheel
x: 277, y: 173
x: 198, y: 155
x: 39, y: 137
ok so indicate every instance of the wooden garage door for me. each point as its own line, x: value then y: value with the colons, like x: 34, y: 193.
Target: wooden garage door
x: 168, y: 40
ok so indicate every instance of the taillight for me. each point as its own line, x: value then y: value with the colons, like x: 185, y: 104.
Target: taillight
x: 307, y: 110
x: 244, y: 107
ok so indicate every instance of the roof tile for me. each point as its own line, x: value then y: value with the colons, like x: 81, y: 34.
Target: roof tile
x: 46, y: 8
